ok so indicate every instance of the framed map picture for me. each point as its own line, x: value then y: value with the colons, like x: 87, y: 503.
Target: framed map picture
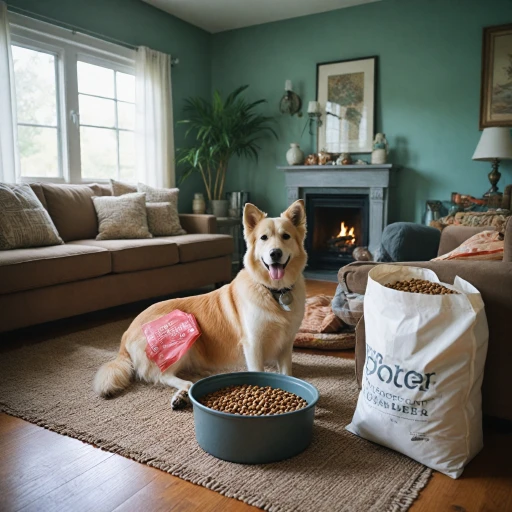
x: 496, y: 93
x: 346, y: 94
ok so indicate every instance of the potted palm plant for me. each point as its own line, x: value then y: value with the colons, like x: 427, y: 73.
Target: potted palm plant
x: 222, y: 129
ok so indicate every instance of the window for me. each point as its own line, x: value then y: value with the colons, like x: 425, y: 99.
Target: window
x: 38, y: 120
x: 107, y: 120
x: 75, y: 100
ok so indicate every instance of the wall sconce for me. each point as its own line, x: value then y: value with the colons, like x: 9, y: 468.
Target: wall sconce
x: 290, y: 103
x: 315, y: 116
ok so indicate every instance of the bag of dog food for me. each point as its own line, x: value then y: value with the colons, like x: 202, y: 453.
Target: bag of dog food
x: 426, y: 345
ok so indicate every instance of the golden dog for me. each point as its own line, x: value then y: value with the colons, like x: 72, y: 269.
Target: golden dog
x: 255, y: 317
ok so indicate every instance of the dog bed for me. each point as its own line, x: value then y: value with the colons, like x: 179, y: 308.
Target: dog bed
x: 322, y: 329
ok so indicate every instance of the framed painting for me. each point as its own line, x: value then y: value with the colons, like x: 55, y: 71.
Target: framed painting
x: 346, y: 94
x: 496, y: 92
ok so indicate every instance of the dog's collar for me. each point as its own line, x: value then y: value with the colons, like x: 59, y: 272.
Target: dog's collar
x: 282, y: 296
x: 279, y: 291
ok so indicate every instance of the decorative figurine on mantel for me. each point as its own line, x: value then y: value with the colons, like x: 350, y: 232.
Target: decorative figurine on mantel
x: 380, y: 149
x: 323, y: 157
x: 311, y: 159
x: 344, y: 159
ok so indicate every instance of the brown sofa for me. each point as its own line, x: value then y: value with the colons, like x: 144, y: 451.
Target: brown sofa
x: 494, y: 281
x: 48, y: 283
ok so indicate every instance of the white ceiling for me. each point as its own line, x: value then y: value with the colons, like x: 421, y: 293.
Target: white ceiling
x: 219, y: 15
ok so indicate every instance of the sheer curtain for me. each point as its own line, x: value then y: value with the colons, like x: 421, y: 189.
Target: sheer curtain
x: 9, y: 159
x: 154, y: 122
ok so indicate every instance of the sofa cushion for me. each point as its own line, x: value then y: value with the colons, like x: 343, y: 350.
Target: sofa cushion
x: 165, y: 195
x: 23, y: 220
x: 133, y: 255
x: 100, y: 190
x: 201, y: 247
x: 119, y: 188
x: 26, y: 269
x: 453, y: 236
x: 122, y: 217
x: 72, y: 211
x: 38, y: 191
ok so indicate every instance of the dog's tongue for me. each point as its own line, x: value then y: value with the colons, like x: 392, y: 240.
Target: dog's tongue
x: 276, y: 271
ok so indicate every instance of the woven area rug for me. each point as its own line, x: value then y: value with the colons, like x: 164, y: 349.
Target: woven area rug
x: 49, y: 384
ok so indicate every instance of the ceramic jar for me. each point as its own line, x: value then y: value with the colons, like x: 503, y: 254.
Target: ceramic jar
x: 198, y: 204
x: 379, y: 156
x: 295, y: 155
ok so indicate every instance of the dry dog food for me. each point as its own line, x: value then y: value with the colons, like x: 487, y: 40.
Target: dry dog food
x: 420, y: 286
x: 423, y: 369
x: 250, y: 400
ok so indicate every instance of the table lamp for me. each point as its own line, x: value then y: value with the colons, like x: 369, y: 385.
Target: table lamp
x: 495, y: 145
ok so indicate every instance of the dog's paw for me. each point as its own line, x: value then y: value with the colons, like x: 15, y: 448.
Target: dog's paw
x: 180, y: 400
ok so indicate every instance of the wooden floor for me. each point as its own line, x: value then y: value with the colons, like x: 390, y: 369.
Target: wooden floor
x: 44, y: 471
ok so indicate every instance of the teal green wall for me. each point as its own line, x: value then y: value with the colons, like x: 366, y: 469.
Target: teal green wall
x: 138, y: 23
x: 428, y: 89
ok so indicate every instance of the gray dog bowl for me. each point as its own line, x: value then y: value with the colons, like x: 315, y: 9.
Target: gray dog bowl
x: 253, y: 439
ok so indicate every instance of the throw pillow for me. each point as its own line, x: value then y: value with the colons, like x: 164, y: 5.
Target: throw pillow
x: 24, y: 222
x: 165, y: 195
x: 120, y: 188
x: 122, y: 217
x: 161, y: 219
x: 487, y: 245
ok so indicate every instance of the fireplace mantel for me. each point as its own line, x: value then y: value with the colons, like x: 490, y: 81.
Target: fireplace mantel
x: 374, y: 180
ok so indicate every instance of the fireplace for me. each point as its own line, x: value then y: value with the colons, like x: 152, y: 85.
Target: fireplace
x: 357, y: 195
x: 337, y: 224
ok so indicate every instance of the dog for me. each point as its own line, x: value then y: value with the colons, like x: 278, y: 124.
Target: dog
x: 255, y: 317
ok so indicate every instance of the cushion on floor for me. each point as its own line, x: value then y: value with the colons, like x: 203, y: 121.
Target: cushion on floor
x: 139, y: 254
x: 26, y: 269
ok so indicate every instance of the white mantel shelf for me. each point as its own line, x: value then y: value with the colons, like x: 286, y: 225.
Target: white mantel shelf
x: 373, y: 180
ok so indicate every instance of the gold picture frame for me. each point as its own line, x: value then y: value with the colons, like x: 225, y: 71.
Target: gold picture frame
x: 496, y: 90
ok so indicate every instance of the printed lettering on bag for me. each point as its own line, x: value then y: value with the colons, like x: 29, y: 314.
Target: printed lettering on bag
x: 400, y: 379
x: 393, y: 375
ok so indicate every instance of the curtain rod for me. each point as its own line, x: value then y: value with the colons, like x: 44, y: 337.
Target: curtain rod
x: 74, y: 29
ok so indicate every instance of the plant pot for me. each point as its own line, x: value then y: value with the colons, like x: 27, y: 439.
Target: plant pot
x: 219, y: 207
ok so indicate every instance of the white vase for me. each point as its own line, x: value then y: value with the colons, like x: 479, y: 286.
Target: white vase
x: 198, y: 204
x: 219, y: 207
x: 379, y: 156
x: 295, y: 155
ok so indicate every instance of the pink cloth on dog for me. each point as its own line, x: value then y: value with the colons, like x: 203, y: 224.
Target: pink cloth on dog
x: 169, y: 337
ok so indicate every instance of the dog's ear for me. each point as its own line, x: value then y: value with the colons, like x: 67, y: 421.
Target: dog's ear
x: 252, y: 216
x: 296, y: 214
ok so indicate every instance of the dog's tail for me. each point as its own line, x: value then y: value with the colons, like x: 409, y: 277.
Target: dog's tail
x: 114, y: 376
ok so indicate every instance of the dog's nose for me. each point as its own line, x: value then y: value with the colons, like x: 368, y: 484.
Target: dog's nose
x: 276, y: 254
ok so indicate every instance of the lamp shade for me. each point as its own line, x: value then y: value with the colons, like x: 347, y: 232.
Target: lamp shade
x: 313, y: 107
x: 495, y: 143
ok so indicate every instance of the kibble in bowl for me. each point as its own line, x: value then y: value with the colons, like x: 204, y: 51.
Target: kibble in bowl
x: 421, y: 286
x: 248, y: 400
x: 274, y: 423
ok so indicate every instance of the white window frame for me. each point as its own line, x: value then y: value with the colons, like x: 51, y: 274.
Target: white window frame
x: 69, y: 48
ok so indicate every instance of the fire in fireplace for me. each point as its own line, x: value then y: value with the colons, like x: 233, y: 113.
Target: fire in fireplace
x: 337, y: 224
x: 344, y: 241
